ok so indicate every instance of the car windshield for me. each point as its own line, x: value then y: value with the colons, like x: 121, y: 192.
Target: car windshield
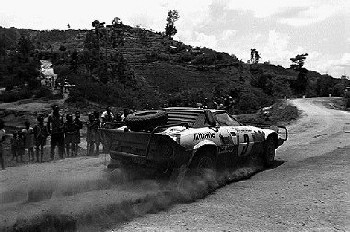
x: 226, y: 120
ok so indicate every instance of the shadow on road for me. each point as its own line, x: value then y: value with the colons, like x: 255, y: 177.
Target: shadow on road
x: 276, y: 164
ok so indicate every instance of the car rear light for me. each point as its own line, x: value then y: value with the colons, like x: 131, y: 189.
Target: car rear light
x: 177, y: 138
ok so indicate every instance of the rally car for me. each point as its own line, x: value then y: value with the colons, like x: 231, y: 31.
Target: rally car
x: 189, y: 138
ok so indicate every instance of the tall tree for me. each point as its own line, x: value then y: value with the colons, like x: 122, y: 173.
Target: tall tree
x: 298, y: 61
x: 116, y: 21
x: 254, y: 56
x: 301, y: 83
x: 24, y: 47
x: 170, y: 29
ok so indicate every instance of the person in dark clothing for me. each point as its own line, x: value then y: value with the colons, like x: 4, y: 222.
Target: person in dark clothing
x: 79, y: 126
x: 55, y: 127
x: 96, y: 126
x: 14, y: 146
x: 2, y: 139
x: 21, y: 145
x: 228, y: 104
x: 69, y: 135
x: 40, y: 135
x: 91, y: 135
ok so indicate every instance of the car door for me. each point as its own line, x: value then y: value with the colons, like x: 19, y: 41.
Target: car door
x: 245, y: 140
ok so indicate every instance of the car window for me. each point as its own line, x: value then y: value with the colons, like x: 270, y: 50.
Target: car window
x: 225, y: 119
x: 200, y: 122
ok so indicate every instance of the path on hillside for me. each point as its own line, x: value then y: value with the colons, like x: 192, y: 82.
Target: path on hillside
x: 309, y: 192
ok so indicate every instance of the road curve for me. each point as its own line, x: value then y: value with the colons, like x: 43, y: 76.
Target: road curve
x: 308, y: 191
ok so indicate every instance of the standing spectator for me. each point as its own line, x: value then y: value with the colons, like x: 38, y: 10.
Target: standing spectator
x: 40, y: 134
x: 205, y: 103
x: 90, y: 135
x: 14, y: 146
x: 29, y: 140
x: 96, y: 127
x: 2, y: 139
x: 107, y: 115
x: 78, y: 126
x: 55, y: 127
x: 69, y: 135
x: 125, y: 114
x: 228, y: 104
x: 21, y: 145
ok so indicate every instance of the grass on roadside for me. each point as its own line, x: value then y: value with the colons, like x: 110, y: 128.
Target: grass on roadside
x: 280, y: 113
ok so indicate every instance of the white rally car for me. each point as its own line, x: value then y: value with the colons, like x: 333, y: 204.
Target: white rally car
x: 193, y: 138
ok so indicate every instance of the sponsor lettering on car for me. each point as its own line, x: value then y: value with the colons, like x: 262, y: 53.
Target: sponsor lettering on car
x: 200, y: 136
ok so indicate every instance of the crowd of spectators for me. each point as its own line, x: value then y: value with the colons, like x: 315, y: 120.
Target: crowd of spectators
x: 64, y: 132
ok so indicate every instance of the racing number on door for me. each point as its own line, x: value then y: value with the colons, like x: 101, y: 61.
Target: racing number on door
x: 244, y: 144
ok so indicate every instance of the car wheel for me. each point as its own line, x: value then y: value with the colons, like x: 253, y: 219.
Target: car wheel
x: 203, y: 164
x: 270, y: 152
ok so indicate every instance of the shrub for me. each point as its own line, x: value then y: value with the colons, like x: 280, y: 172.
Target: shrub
x: 15, y: 95
x: 185, y: 57
x: 43, y: 92
x: 205, y: 59
x: 163, y: 56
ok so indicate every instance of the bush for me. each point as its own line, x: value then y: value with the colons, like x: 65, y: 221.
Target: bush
x: 282, y: 112
x: 252, y: 99
x: 185, y: 57
x: 205, y: 59
x: 15, y: 95
x: 43, y: 92
x: 163, y: 56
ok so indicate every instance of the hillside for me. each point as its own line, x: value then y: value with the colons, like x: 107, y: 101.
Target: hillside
x: 140, y: 68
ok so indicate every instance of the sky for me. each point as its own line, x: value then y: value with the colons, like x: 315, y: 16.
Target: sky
x: 278, y: 29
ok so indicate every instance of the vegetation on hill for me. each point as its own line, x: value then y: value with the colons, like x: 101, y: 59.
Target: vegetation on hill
x: 132, y: 67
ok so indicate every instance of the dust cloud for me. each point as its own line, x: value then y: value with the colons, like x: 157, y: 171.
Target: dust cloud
x: 94, y: 202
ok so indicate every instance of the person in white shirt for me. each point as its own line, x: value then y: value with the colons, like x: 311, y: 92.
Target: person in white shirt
x: 107, y: 115
x: 29, y: 140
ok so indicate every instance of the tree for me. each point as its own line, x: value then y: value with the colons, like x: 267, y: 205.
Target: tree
x: 68, y: 26
x: 24, y: 47
x: 116, y: 21
x: 298, y: 61
x: 254, y: 56
x: 300, y: 84
x: 170, y: 29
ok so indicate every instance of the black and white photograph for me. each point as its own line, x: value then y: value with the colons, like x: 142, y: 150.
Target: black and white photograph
x: 175, y: 115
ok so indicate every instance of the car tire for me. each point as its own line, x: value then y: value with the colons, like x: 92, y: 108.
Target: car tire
x: 269, y: 152
x: 202, y: 164
x: 146, y: 120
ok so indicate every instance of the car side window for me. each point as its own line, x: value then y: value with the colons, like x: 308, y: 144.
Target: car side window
x: 226, y: 120
x: 200, y: 121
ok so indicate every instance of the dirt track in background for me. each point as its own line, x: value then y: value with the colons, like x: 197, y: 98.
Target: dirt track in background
x: 95, y: 199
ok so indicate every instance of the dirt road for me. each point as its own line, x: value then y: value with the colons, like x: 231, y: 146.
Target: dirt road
x: 308, y: 192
